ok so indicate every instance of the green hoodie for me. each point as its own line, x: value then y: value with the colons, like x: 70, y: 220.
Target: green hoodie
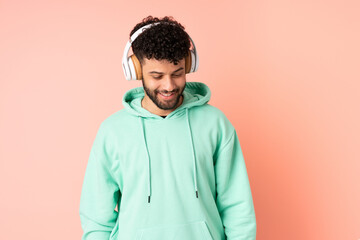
x: 182, y: 177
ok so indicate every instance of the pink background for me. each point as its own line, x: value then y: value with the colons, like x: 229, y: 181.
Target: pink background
x: 286, y: 73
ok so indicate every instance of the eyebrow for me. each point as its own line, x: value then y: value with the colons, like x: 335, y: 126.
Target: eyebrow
x: 155, y: 72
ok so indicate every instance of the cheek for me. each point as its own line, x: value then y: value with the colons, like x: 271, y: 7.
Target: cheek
x: 151, y: 85
x: 181, y: 82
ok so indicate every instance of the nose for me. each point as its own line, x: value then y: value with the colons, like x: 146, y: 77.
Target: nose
x: 168, y: 83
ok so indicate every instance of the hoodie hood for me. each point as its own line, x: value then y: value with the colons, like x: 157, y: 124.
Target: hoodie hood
x: 195, y: 94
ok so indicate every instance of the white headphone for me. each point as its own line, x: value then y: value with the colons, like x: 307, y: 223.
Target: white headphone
x: 132, y: 67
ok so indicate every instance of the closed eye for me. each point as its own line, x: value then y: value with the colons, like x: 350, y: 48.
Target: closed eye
x: 157, y: 77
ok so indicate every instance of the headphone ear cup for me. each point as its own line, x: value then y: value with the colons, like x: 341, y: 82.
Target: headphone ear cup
x: 188, y: 62
x: 193, y: 61
x: 135, y: 67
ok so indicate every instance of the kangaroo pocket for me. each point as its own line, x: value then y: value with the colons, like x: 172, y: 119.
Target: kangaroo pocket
x: 189, y: 231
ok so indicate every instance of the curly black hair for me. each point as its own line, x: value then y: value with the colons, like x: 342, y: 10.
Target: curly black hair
x: 164, y: 41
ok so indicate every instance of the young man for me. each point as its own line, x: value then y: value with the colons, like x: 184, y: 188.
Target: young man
x: 170, y: 161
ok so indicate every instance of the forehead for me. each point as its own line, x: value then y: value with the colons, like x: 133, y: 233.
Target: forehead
x: 161, y: 65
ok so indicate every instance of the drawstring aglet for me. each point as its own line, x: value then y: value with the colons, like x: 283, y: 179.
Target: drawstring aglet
x: 197, y: 196
x: 148, y: 199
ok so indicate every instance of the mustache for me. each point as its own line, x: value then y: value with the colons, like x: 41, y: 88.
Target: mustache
x: 166, y: 92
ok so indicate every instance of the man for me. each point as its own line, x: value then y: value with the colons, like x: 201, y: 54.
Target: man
x: 171, y: 162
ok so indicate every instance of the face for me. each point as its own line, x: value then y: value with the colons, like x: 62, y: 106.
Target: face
x: 164, y: 84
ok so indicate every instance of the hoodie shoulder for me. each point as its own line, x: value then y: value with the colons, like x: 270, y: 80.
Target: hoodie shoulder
x: 216, y: 117
x: 116, y: 120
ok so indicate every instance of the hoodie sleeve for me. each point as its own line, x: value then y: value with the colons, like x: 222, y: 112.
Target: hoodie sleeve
x: 100, y: 193
x: 234, y: 198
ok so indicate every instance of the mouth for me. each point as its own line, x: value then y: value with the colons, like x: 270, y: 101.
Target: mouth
x: 167, y: 96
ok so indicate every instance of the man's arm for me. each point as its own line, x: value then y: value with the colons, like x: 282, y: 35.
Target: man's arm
x: 100, y: 194
x: 234, y: 198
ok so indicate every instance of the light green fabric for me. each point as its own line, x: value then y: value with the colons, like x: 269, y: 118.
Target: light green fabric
x: 182, y: 177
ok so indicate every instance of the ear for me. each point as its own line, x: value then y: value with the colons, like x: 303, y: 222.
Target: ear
x: 137, y: 66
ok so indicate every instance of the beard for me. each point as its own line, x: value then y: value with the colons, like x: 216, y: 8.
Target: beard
x: 164, y: 104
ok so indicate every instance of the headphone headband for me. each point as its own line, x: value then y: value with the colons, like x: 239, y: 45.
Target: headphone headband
x: 140, y: 30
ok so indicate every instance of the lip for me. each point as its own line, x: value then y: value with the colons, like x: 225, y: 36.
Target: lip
x: 167, y: 98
